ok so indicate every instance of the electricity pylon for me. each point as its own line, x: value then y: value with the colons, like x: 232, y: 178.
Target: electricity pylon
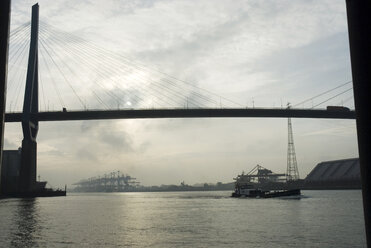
x: 292, y: 172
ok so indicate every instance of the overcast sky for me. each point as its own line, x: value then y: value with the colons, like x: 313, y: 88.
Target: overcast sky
x: 255, y: 53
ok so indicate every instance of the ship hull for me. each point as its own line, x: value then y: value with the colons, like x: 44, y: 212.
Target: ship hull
x: 269, y: 194
x: 31, y: 194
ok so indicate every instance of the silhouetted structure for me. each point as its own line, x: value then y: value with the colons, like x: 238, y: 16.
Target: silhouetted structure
x: 260, y: 175
x: 336, y: 174
x: 11, y: 162
x: 24, y: 173
x: 4, y: 45
x: 262, y: 178
x: 359, y: 23
x: 112, y: 182
x: 182, y: 113
x: 292, y: 172
x: 30, y: 127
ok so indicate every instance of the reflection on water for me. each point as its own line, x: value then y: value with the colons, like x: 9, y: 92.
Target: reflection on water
x: 183, y: 219
x: 26, y: 221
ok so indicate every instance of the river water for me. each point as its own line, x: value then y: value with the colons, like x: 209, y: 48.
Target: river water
x: 184, y: 219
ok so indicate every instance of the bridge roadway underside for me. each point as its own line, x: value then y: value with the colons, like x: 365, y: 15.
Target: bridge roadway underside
x: 182, y: 113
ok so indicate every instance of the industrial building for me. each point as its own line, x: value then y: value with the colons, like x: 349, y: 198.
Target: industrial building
x: 11, y: 165
x: 10, y: 173
x: 336, y: 174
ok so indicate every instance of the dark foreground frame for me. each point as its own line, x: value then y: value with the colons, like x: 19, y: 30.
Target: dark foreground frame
x: 359, y: 28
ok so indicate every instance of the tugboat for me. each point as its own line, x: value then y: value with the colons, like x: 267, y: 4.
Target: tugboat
x: 263, y: 184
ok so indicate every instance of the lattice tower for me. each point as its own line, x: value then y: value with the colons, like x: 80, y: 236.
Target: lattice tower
x: 292, y: 167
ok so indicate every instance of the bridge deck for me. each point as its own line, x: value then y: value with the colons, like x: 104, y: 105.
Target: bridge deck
x: 182, y: 113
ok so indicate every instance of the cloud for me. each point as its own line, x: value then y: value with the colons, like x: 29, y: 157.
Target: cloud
x: 263, y: 51
x: 86, y: 153
x: 119, y: 141
x: 9, y: 145
x: 342, y: 131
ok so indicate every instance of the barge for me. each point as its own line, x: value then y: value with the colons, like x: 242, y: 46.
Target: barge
x: 251, y: 192
x: 263, y: 183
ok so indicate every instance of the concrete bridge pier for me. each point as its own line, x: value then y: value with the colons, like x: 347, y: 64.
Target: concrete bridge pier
x: 27, y: 172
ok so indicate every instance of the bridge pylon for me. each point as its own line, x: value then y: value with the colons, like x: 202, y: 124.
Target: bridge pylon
x: 30, y: 126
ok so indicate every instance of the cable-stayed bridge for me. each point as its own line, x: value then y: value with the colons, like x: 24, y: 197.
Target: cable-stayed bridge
x: 91, y: 82
x: 73, y: 69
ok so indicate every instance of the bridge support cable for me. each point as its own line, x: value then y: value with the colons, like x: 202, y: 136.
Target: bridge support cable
x: 194, y: 86
x: 99, y: 72
x: 91, y: 50
x: 17, y: 75
x: 100, y: 101
x: 85, y: 63
x: 323, y: 93
x: 341, y: 93
x: 20, y: 28
x: 42, y: 94
x: 59, y: 69
x: 17, y: 45
x: 51, y: 77
x: 22, y: 35
x: 17, y: 65
x: 18, y: 81
x: 19, y: 53
x: 170, y: 87
x: 346, y: 100
x: 119, y: 67
x: 79, y: 48
x: 143, y: 67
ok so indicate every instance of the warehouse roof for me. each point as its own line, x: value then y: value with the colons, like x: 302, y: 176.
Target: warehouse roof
x: 345, y: 169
